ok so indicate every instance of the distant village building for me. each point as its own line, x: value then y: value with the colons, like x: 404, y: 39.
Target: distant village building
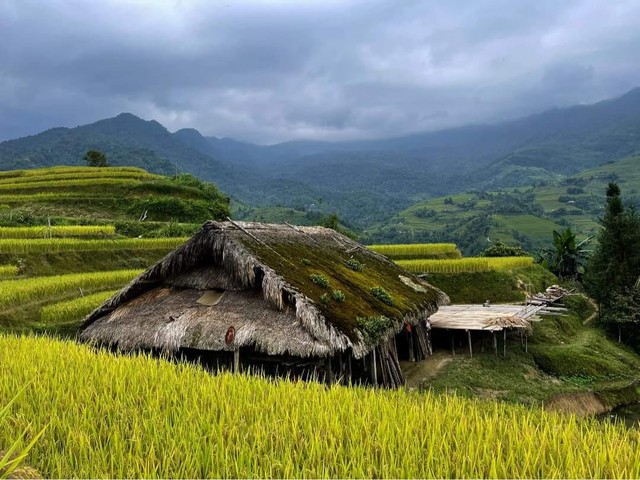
x: 303, y: 301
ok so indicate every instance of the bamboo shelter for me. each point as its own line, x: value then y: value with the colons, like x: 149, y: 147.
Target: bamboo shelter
x: 301, y: 300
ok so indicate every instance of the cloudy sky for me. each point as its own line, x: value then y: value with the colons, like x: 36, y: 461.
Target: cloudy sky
x: 269, y: 71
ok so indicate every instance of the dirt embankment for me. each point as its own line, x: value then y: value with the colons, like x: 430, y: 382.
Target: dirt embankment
x: 587, y: 404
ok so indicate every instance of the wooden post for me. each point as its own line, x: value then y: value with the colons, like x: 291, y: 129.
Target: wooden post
x: 482, y: 342
x: 504, y: 343
x: 495, y: 342
x: 453, y: 344
x: 526, y: 343
x: 469, y: 338
x: 328, y: 371
x: 236, y: 360
x: 375, y: 368
x: 412, y: 356
x: 349, y: 372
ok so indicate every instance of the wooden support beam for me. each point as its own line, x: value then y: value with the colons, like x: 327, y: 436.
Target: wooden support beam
x: 328, y: 371
x: 504, y: 343
x: 526, y: 343
x: 412, y: 356
x: 236, y: 360
x: 453, y: 344
x: 349, y: 371
x: 470, y: 348
x: 495, y: 343
x: 482, y: 335
x: 375, y: 367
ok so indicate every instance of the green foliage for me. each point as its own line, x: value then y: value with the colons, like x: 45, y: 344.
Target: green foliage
x: 567, y: 257
x: 15, y: 455
x: 373, y: 327
x: 338, y: 296
x: 95, y: 158
x: 500, y: 249
x: 355, y: 265
x: 319, y: 280
x: 306, y: 262
x: 325, y: 298
x: 382, y: 295
x: 614, y: 267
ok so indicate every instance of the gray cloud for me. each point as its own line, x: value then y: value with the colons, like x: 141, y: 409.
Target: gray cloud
x: 270, y: 71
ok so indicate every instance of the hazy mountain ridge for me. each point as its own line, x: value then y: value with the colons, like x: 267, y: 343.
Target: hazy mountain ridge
x: 364, y: 181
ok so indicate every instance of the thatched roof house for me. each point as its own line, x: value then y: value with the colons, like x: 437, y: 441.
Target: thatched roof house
x: 296, y: 296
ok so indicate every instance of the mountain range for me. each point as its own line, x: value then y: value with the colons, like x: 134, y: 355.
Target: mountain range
x: 363, y: 181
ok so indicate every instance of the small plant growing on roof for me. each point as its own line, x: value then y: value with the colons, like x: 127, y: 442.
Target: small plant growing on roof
x: 324, y: 298
x: 305, y: 261
x: 382, y: 295
x: 319, y: 280
x: 373, y: 327
x: 338, y: 296
x: 355, y: 265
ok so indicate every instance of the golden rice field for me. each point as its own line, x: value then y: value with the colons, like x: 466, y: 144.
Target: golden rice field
x: 62, y: 231
x: 57, y: 176
x: 134, y: 416
x: 16, y: 292
x: 49, y: 245
x: 78, y: 182
x: 8, y: 271
x: 75, y: 309
x: 418, y: 250
x: 50, y: 196
x: 469, y: 264
x: 38, y: 172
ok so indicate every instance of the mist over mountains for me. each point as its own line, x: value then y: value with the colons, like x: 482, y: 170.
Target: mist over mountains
x: 363, y: 181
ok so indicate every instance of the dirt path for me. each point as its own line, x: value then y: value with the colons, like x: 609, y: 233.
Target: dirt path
x: 417, y: 373
x: 595, y: 309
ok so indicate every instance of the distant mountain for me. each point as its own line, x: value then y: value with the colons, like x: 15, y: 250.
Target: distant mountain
x: 363, y: 181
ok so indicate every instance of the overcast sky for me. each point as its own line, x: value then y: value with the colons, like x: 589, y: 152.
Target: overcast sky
x: 269, y: 71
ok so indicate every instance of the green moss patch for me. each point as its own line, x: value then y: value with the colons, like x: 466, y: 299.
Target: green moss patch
x: 335, y: 265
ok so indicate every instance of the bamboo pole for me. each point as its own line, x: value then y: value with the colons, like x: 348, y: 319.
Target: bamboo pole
x: 375, y: 368
x: 504, y: 343
x: 236, y: 360
x: 495, y: 343
x: 453, y: 345
x: 470, y: 348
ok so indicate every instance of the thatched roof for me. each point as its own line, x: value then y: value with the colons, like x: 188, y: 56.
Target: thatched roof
x: 270, y: 298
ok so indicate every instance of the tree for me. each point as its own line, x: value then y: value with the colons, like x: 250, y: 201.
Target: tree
x: 566, y: 257
x: 95, y: 158
x: 614, y: 267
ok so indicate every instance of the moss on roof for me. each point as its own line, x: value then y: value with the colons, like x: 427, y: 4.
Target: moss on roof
x: 297, y: 259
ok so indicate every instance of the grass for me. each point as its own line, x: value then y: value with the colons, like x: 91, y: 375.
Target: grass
x: 468, y: 264
x: 418, y: 251
x: 16, y: 292
x: 47, y: 245
x: 496, y: 286
x: 135, y: 416
x: 62, y: 231
x: 71, y: 311
x: 8, y: 271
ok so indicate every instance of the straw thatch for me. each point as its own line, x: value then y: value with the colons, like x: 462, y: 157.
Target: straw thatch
x: 269, y: 298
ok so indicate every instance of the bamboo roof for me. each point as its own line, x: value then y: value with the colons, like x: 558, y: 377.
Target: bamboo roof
x: 270, y: 297
x: 479, y: 317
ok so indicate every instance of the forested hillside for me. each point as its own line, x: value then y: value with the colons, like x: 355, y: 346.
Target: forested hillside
x: 364, y: 182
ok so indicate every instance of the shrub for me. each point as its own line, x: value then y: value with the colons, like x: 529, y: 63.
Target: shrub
x: 319, y: 280
x: 355, y: 265
x: 373, y: 327
x: 338, y: 296
x: 382, y: 295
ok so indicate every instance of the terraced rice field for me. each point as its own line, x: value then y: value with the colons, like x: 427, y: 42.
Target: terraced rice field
x: 138, y: 417
x: 58, y: 231
x: 48, y: 245
x: 418, y: 250
x: 469, y: 264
